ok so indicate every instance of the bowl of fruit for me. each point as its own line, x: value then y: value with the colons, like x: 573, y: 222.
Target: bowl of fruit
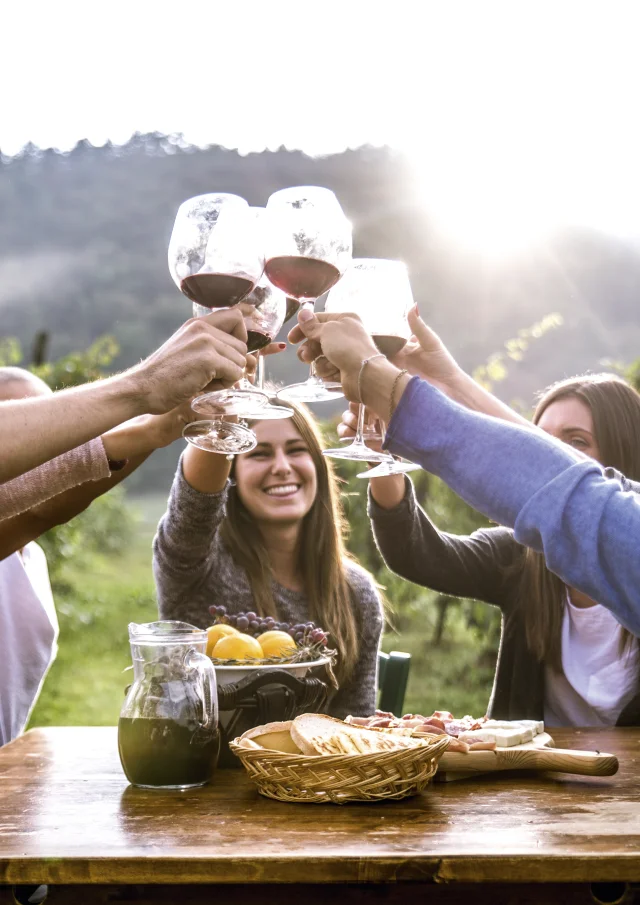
x: 240, y: 643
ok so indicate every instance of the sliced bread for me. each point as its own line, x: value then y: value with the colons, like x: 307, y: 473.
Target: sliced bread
x: 275, y: 736
x: 315, y: 733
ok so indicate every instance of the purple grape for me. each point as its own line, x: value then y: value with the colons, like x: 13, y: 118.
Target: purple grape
x: 254, y: 625
x: 242, y: 623
x: 221, y: 610
x: 251, y: 616
x: 232, y: 619
x: 298, y: 637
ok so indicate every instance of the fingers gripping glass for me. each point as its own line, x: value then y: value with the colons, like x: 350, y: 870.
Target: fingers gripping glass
x: 307, y: 249
x: 264, y: 311
x: 379, y: 292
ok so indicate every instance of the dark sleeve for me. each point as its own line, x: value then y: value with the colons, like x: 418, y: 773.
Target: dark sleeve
x: 184, y: 548
x: 472, y: 565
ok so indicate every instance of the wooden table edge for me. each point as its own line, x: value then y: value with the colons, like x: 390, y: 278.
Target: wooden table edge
x: 301, y: 870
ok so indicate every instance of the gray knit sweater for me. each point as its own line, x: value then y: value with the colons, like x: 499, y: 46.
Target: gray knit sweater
x: 193, y: 570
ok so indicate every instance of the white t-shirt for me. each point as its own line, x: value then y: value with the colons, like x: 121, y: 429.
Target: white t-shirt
x: 28, y: 636
x: 597, y: 682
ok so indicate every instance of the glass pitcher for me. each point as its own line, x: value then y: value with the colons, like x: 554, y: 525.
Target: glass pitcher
x: 168, y: 736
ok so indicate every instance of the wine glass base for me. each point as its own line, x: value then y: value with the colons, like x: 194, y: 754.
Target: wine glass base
x: 310, y: 391
x: 229, y: 402
x: 220, y: 436
x: 270, y: 413
x: 373, y: 438
x: 355, y: 453
x: 387, y: 468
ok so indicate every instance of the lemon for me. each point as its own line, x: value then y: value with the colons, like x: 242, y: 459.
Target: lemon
x: 237, y: 647
x: 277, y: 644
x: 215, y: 632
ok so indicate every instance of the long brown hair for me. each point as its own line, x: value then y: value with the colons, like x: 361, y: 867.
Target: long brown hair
x: 615, y: 409
x: 321, y: 552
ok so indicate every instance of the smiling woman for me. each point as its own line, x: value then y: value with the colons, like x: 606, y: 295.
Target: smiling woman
x: 266, y: 535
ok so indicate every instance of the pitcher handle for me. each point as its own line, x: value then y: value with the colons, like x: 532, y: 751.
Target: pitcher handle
x: 208, y: 687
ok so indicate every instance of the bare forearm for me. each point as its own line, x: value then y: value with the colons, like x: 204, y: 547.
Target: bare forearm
x: 388, y: 492
x: 380, y: 382
x: 204, y: 471
x: 38, y: 429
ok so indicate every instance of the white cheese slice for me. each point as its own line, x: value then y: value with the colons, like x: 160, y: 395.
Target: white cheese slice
x: 530, y: 728
x: 503, y: 738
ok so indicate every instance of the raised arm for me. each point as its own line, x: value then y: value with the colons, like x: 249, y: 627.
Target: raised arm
x: 185, y: 548
x: 460, y: 565
x: 586, y: 524
x: 57, y: 491
x: 207, y: 351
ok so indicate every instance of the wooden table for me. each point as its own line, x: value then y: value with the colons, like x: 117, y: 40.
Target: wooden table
x: 68, y: 818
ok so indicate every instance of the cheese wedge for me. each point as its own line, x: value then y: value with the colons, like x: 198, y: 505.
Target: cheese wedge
x: 536, y: 726
x: 502, y: 738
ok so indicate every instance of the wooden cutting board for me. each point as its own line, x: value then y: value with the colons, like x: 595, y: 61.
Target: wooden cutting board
x: 539, y: 754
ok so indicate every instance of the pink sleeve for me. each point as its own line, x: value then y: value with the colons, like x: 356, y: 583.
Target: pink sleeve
x: 85, y: 463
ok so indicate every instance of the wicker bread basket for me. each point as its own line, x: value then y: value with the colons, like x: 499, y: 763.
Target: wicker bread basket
x: 340, y: 778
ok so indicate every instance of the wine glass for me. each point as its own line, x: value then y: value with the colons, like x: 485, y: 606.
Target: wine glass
x: 215, y: 258
x: 307, y: 249
x: 379, y: 292
x: 215, y: 252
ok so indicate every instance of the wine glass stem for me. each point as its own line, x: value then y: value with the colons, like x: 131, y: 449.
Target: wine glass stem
x: 260, y: 371
x: 383, y: 433
x: 309, y: 304
x: 359, y: 438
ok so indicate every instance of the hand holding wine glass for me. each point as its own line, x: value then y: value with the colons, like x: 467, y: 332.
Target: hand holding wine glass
x: 214, y: 350
x: 307, y: 248
x: 216, y: 259
x: 263, y: 312
x: 378, y: 291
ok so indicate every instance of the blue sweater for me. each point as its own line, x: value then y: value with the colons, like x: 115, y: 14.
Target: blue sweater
x: 559, y: 504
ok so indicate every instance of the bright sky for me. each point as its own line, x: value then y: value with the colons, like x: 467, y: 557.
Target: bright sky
x: 518, y: 115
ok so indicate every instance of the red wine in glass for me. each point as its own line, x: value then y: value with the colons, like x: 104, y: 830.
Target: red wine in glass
x: 293, y: 306
x: 302, y: 278
x: 257, y: 340
x: 216, y: 290
x: 388, y: 344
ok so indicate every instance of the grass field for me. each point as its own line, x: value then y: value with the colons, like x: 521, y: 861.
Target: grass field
x: 86, y: 683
